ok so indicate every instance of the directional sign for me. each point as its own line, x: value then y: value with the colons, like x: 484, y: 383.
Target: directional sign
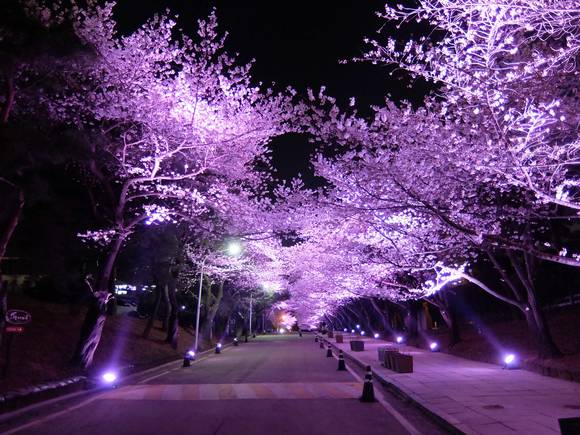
x: 15, y: 329
x: 18, y: 317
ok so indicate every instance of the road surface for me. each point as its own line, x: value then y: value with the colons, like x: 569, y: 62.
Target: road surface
x: 273, y: 385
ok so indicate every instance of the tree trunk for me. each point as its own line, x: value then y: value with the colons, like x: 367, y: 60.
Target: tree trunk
x: 212, y: 309
x: 3, y: 308
x: 412, y: 321
x: 92, y: 327
x: 537, y: 322
x: 91, y: 330
x: 533, y: 312
x: 172, y: 321
x: 166, y: 308
x: 382, y: 316
x: 154, y: 311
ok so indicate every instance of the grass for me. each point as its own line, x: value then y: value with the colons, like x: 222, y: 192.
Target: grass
x: 42, y: 353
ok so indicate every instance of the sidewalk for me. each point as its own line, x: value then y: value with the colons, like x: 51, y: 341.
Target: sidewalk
x: 475, y: 397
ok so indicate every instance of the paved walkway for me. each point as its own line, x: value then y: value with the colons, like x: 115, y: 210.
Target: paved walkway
x: 476, y: 397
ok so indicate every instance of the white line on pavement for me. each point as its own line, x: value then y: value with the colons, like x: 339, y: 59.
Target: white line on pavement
x: 398, y: 416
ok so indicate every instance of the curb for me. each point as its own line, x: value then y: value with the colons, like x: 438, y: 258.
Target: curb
x: 438, y: 418
x: 61, y: 391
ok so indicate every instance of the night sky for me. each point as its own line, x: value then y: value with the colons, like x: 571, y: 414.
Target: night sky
x: 295, y: 43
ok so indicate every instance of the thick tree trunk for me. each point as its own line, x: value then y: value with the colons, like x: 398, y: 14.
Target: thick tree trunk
x: 212, y: 309
x: 91, y: 330
x: 92, y: 327
x: 537, y: 323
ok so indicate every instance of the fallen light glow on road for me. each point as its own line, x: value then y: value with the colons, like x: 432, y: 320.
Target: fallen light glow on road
x: 433, y: 346
x: 376, y: 335
x: 399, y: 339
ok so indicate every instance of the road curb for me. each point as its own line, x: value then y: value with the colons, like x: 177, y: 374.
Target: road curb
x: 441, y: 419
x: 64, y: 395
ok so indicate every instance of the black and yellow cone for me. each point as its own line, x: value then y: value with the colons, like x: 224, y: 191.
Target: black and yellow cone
x: 341, y: 364
x: 186, y: 362
x: 316, y: 338
x: 368, y: 394
x: 329, y: 352
x: 321, y: 344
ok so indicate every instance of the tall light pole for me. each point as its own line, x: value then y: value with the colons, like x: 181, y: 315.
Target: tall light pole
x: 250, y: 313
x: 198, y: 304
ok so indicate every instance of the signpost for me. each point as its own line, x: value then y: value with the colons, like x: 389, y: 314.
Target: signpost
x: 15, y: 320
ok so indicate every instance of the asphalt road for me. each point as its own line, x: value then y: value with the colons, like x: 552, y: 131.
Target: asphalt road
x: 272, y: 385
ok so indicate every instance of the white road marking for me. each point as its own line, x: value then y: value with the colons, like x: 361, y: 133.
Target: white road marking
x: 378, y: 395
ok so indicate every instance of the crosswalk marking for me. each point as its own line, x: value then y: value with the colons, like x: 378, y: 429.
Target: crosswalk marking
x: 322, y: 390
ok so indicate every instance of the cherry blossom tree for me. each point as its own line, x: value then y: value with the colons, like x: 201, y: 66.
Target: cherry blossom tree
x: 509, y: 70
x: 169, y: 126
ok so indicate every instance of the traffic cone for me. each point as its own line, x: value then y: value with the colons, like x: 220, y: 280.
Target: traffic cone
x: 341, y: 364
x: 321, y: 344
x: 368, y: 394
x: 246, y: 339
x: 186, y: 362
x: 329, y: 352
x: 316, y: 338
x: 236, y: 343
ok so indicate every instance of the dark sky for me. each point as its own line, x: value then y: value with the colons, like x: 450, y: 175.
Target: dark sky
x: 294, y: 43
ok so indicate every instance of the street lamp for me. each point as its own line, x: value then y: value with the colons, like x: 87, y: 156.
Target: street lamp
x: 198, y: 305
x: 234, y: 248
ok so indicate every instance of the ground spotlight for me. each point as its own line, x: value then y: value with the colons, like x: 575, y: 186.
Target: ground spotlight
x: 400, y: 339
x: 434, y: 346
x: 376, y: 335
x: 281, y: 331
x: 109, y: 378
x: 510, y: 361
x: 236, y: 343
x: 345, y: 330
x: 357, y: 326
x: 218, y: 348
x: 362, y: 333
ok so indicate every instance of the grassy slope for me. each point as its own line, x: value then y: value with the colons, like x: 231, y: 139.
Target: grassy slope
x: 489, y: 342
x: 42, y: 353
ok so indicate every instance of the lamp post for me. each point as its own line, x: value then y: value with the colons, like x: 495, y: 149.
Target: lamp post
x: 251, y: 313
x: 198, y: 305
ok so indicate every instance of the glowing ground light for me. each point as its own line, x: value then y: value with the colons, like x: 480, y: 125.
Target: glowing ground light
x: 345, y: 330
x: 109, y: 377
x: 352, y: 331
x: 509, y: 360
x: 399, y: 339
x: 362, y: 333
x: 357, y: 326
x: 376, y: 335
x: 190, y: 353
x: 219, y: 345
x: 281, y: 331
x: 434, y: 345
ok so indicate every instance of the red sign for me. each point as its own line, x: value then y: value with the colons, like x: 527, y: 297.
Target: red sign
x: 15, y: 329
